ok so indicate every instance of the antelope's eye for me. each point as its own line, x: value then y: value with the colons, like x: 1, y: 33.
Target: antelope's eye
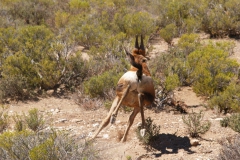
x: 144, y: 60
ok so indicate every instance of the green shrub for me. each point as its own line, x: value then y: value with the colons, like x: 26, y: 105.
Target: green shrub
x: 32, y: 57
x: 212, y: 70
x: 228, y: 100
x: 99, y: 85
x: 224, y: 122
x: 152, y: 131
x: 47, y: 145
x: 168, y: 33
x: 230, y: 148
x: 194, y: 123
x: 14, y: 87
x: 3, y: 118
x: 188, y: 43
x: 234, y: 122
x: 34, y: 120
x: 43, y: 151
x: 19, y: 122
x: 171, y: 82
x: 14, y: 144
x: 139, y: 23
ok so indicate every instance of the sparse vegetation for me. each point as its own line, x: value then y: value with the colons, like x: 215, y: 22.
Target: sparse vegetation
x: 195, y: 124
x: 39, y: 45
x: 19, y: 122
x: 228, y: 100
x: 99, y: 85
x: 230, y: 148
x: 152, y: 131
x: 3, y: 118
x: 44, y: 145
x: 233, y: 122
x: 224, y: 122
x: 34, y: 120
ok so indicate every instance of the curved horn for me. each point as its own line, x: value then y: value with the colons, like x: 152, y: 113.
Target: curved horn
x: 136, y: 42
x: 142, y: 45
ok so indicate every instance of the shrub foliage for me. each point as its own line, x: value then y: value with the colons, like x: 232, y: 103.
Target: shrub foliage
x: 152, y: 131
x: 195, y: 124
x: 49, y: 145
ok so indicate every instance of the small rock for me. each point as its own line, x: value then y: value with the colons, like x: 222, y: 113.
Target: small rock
x: 76, y: 120
x: 95, y: 124
x: 218, y: 119
x: 62, y: 86
x: 228, y: 114
x: 106, y: 136
x: 61, y: 121
x: 50, y: 92
x: 58, y: 90
x: 90, y: 134
x: 56, y: 110
x: 195, y: 142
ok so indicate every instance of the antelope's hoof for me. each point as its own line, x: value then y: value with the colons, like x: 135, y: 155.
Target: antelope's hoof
x: 142, y: 132
x: 123, y: 140
x: 113, y: 119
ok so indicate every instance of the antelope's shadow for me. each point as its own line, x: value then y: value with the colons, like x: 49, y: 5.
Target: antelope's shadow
x: 170, y: 144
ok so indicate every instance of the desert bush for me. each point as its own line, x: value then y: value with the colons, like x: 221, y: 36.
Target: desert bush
x: 188, y: 43
x: 168, y: 33
x: 46, y: 145
x: 31, y: 12
x: 139, y: 23
x: 33, y: 58
x: 212, y: 70
x: 234, y: 122
x: 99, y: 85
x: 77, y: 70
x: 195, y: 124
x: 221, y: 19
x: 230, y: 148
x: 34, y: 120
x: 171, y: 83
x: 3, y: 118
x: 228, y: 100
x: 224, y: 122
x: 19, y: 122
x: 152, y: 131
x: 14, y: 87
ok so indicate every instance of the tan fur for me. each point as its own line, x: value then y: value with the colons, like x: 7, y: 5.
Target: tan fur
x: 130, y: 92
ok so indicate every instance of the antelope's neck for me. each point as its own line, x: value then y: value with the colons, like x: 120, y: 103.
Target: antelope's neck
x: 145, y: 69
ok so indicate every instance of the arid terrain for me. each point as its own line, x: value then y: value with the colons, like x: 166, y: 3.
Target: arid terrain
x: 173, y: 142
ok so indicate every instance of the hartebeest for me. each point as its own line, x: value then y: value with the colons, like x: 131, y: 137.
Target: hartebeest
x: 134, y: 89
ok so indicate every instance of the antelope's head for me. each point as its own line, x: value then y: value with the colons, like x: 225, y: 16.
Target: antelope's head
x: 138, y: 59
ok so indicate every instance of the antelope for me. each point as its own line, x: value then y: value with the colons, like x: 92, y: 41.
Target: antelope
x: 134, y: 89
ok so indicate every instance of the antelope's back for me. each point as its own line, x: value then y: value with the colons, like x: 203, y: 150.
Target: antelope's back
x: 145, y: 86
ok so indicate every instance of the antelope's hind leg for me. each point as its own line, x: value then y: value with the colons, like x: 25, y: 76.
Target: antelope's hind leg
x: 106, y: 121
x: 130, y: 122
x: 140, y: 101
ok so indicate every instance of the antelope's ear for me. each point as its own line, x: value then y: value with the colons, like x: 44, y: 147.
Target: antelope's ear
x: 129, y: 55
x: 136, y: 43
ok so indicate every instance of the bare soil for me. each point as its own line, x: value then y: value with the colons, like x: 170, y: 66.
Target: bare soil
x: 173, y: 143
